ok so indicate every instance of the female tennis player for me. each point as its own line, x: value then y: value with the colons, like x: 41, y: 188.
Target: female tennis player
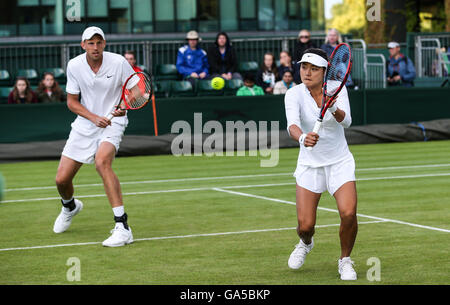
x: 328, y: 166
x: 98, y: 77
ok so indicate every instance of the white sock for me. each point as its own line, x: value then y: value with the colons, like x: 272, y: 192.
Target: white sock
x: 66, y: 201
x: 119, y: 211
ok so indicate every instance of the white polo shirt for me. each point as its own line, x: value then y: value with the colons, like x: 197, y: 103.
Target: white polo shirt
x: 100, y: 92
x: 302, y: 110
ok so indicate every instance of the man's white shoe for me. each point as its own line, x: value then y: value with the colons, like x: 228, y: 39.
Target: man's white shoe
x: 298, y: 256
x: 345, y: 267
x: 64, y: 219
x: 119, y: 237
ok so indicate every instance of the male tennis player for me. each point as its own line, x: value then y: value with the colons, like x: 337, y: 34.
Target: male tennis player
x: 97, y: 76
x: 328, y: 166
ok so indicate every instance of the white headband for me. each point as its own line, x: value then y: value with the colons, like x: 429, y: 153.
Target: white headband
x: 314, y: 59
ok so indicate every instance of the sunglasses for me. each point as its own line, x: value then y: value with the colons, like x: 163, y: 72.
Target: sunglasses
x: 304, y: 36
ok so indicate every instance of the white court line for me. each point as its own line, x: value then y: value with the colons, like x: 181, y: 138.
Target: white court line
x: 223, y: 177
x: 333, y: 210
x: 225, y: 187
x: 176, y: 237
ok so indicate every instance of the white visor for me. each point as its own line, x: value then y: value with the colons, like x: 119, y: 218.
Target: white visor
x: 314, y: 59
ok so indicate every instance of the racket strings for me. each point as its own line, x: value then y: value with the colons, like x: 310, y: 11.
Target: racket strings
x: 337, y: 69
x: 139, y: 95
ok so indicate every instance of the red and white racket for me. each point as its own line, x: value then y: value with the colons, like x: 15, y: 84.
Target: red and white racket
x: 339, y: 68
x: 136, y: 92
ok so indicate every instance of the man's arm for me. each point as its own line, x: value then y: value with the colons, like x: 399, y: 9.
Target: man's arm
x: 74, y: 105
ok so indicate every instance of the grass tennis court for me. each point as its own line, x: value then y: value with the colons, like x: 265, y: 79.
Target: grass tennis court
x: 226, y: 220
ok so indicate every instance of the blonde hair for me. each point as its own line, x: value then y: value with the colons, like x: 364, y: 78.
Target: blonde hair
x: 339, y: 37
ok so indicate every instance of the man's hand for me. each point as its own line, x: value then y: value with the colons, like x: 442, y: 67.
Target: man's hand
x: 311, y: 139
x: 119, y: 112
x: 194, y: 75
x: 101, y: 122
x: 202, y: 75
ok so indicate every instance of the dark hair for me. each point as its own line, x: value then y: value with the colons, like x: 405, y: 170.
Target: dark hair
x: 131, y: 52
x: 227, y: 44
x: 28, y: 91
x: 56, y: 89
x: 317, y: 51
x: 249, y: 76
x: 286, y: 71
x: 273, y: 68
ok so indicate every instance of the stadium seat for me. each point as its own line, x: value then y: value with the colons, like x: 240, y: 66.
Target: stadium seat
x: 182, y: 88
x: 204, y: 88
x: 58, y: 73
x: 30, y: 74
x: 4, y: 93
x: 166, y: 72
x: 5, y: 78
x: 248, y: 66
x: 232, y: 86
x: 162, y: 88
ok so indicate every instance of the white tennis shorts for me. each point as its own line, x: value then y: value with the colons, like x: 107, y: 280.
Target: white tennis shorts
x: 327, y: 178
x: 83, y: 148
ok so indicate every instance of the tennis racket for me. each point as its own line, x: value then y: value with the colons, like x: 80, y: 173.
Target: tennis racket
x: 339, y: 67
x: 136, y: 92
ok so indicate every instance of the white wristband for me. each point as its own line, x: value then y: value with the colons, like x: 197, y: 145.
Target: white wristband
x: 333, y: 108
x: 301, y: 139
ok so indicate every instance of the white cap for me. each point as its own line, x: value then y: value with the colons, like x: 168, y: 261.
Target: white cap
x: 393, y: 44
x: 91, y: 31
x: 192, y: 35
x: 314, y: 59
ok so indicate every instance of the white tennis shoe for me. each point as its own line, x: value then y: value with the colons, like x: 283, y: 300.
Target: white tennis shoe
x: 298, y: 256
x: 64, y: 219
x: 345, y: 268
x: 119, y: 237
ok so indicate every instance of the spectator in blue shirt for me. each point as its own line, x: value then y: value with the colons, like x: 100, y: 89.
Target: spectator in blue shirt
x: 331, y: 41
x: 400, y: 69
x: 192, y: 62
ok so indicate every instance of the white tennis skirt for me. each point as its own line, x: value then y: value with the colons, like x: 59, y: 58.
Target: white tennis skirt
x: 327, y: 178
x: 83, y: 148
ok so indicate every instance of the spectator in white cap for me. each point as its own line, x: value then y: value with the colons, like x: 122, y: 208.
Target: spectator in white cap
x: 192, y: 62
x: 399, y: 68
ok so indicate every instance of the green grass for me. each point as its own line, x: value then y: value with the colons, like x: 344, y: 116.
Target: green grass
x: 392, y: 184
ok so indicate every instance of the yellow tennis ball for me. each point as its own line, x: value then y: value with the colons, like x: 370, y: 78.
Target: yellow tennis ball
x: 217, y: 83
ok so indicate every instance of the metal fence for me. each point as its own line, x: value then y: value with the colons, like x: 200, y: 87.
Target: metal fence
x: 376, y: 71
x: 428, y: 57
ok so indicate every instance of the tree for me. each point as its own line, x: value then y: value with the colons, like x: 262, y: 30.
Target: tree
x: 349, y: 17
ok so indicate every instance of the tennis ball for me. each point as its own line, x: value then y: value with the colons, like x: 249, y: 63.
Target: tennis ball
x: 2, y: 187
x: 217, y: 83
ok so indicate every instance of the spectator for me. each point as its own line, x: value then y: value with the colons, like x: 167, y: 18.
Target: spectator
x: 287, y: 64
x: 400, y: 69
x: 267, y: 74
x: 303, y: 43
x: 130, y: 56
x: 331, y: 41
x: 192, y: 61
x: 222, y: 58
x: 249, y: 88
x: 286, y: 83
x: 22, y: 93
x: 49, y: 90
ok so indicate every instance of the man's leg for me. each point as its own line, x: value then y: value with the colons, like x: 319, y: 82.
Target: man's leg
x: 66, y: 171
x: 103, y: 163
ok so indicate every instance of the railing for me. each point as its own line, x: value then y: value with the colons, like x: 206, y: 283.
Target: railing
x: 428, y: 58
x: 376, y: 71
x: 359, y: 67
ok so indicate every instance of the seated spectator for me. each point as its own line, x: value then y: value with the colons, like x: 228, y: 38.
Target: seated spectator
x: 222, y: 58
x: 285, y: 84
x: 49, y: 90
x: 192, y: 61
x: 267, y: 74
x: 331, y: 41
x: 249, y: 88
x: 400, y: 69
x: 22, y: 93
x: 286, y: 64
x: 303, y: 43
x: 130, y: 56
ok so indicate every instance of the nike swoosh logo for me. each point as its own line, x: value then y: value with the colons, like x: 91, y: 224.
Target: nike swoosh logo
x: 109, y: 76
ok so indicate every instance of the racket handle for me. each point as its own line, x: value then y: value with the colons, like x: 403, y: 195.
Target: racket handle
x: 109, y: 116
x: 315, y: 130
